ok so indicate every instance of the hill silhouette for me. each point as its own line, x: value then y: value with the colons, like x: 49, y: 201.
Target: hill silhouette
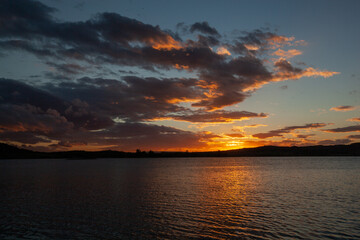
x: 12, y: 152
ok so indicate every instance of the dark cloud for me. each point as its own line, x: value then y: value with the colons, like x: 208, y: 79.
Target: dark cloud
x: 31, y: 116
x: 218, y: 116
x: 29, y: 124
x: 56, y: 76
x: 334, y: 142
x: 131, y: 99
x: 286, y: 67
x: 204, y: 27
x: 34, y: 76
x: 207, y: 41
x: 14, y: 93
x: 135, y: 135
x: 67, y: 68
x: 18, y: 93
x: 138, y: 99
x: 354, y: 136
x: 256, y: 37
x: 68, y: 112
x: 21, y: 15
x: 282, y: 131
x: 354, y: 128
x: 122, y: 30
x: 304, y: 136
x: 25, y: 46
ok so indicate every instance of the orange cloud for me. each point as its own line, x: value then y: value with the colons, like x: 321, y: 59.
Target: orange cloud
x: 284, y: 70
x: 287, y: 54
x: 284, y: 75
x: 177, y: 100
x: 308, y: 72
x: 354, y: 120
x: 180, y: 67
x: 223, y: 51
x: 342, y: 108
x: 211, y: 88
x: 206, y: 85
x: 251, y: 47
x: 280, y: 39
x: 167, y: 44
x: 277, y: 41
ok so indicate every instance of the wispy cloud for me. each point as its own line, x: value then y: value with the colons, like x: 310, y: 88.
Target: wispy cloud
x: 280, y: 132
x: 287, y: 54
x: 356, y: 119
x: 342, y: 108
x: 354, y: 128
x: 354, y: 136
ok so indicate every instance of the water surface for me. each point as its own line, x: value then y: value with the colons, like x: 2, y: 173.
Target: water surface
x: 191, y: 198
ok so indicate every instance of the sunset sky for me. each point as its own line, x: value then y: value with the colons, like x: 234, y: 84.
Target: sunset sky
x: 178, y: 75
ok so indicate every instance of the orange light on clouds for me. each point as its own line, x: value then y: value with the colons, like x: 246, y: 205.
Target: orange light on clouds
x: 206, y: 85
x: 223, y: 51
x: 343, y: 108
x: 312, y: 72
x: 278, y: 40
x: 354, y: 119
x: 211, y: 87
x: 20, y: 127
x: 168, y: 44
x: 178, y: 100
x: 180, y: 67
x: 287, y: 54
x: 285, y: 75
x: 251, y: 47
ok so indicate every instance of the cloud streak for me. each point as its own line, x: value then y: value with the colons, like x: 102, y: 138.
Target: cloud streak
x: 354, y: 128
x: 354, y: 120
x: 280, y: 132
x: 342, y: 108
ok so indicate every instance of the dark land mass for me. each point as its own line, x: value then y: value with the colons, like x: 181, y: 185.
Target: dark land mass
x: 11, y: 152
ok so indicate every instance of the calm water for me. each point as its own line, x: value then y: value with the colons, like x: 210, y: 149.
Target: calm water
x: 213, y: 198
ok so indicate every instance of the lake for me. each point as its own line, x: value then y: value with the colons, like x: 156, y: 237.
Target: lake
x: 181, y: 198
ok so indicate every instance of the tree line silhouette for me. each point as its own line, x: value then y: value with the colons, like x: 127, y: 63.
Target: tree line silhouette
x: 12, y: 152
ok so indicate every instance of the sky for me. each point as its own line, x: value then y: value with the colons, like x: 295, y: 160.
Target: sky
x: 178, y: 76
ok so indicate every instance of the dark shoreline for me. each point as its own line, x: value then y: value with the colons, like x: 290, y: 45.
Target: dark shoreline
x: 11, y: 152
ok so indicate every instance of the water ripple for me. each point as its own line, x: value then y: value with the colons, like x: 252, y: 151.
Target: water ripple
x: 230, y: 198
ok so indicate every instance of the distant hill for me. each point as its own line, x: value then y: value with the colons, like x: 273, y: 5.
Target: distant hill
x: 8, y: 151
x: 11, y: 152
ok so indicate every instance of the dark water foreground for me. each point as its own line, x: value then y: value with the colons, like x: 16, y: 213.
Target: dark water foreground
x: 213, y: 198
